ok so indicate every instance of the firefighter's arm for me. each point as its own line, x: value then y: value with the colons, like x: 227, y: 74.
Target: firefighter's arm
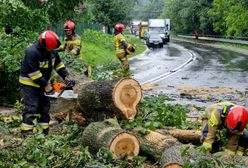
x: 61, y: 47
x: 213, y: 123
x: 76, y: 46
x: 123, y: 41
x: 34, y: 71
x: 59, y: 66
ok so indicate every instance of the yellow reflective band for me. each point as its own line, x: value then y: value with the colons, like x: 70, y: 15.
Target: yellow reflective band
x: 26, y: 127
x: 59, y: 66
x: 44, y: 64
x: 124, y: 59
x: 76, y: 42
x: 34, y: 77
x: 213, y: 120
x: 27, y: 81
x: 240, y: 153
x: 207, y: 145
x: 53, y: 61
x: 44, y: 125
x: 121, y: 51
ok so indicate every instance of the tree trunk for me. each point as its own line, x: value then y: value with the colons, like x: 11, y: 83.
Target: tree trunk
x: 108, y: 134
x: 184, y: 136
x: 119, y: 98
x: 177, y: 155
x: 153, y: 143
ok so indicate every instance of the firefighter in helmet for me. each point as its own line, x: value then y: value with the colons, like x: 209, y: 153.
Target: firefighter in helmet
x: 72, y: 41
x: 234, y: 119
x: 40, y: 60
x: 122, y: 48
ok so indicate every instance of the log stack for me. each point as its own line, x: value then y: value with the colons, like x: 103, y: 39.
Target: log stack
x: 108, y: 134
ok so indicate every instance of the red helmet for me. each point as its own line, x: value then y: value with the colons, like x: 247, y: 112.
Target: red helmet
x: 49, y: 39
x: 69, y: 25
x: 119, y: 27
x: 237, y: 118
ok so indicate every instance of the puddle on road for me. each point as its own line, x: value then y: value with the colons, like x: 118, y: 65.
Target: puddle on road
x: 173, y: 52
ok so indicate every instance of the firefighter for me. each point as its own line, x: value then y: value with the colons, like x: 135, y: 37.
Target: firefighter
x: 36, y: 68
x: 72, y: 41
x: 122, y: 48
x: 231, y: 117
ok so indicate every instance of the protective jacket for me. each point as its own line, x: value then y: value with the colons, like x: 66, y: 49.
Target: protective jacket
x: 213, y: 121
x: 120, y: 44
x: 38, y: 64
x: 120, y: 49
x: 72, y: 44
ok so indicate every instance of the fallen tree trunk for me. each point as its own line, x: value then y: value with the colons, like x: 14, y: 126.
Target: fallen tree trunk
x: 109, y: 134
x: 184, y: 136
x: 110, y: 98
x: 153, y: 143
x: 178, y: 155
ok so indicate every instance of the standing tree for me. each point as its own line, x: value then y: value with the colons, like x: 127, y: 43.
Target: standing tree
x: 110, y: 12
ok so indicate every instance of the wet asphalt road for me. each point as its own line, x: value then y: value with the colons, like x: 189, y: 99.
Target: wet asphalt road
x: 181, y: 65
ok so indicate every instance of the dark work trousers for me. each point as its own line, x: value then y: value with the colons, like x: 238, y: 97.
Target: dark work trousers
x: 36, y: 106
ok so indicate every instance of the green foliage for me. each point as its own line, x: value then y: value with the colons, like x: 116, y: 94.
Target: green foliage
x: 109, y: 12
x: 230, y: 17
x: 154, y: 112
x: 61, y: 150
x: 187, y: 15
x: 144, y: 10
x: 24, y: 23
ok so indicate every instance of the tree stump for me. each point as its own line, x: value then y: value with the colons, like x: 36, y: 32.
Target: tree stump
x: 119, y: 98
x: 109, y: 134
x: 153, y: 143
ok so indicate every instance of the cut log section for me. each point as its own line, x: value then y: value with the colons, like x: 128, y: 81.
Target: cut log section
x: 108, y: 134
x: 153, y: 143
x: 110, y: 98
x: 184, y: 136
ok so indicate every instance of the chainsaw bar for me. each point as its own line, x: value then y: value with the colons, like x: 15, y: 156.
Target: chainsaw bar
x: 67, y: 94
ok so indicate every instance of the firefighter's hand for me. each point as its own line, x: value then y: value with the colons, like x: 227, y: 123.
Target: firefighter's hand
x: 69, y: 82
x: 49, y: 89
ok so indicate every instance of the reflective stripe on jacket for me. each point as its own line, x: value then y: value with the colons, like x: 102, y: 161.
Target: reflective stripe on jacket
x: 120, y: 44
x: 37, y: 66
x: 213, y: 120
x: 71, y: 44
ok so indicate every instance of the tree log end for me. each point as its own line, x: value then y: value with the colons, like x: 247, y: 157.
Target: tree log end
x: 172, y: 165
x: 124, y: 143
x: 126, y: 95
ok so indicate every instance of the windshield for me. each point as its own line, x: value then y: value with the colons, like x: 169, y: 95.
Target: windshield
x: 157, y: 29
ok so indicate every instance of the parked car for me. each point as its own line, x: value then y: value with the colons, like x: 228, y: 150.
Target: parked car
x: 153, y: 40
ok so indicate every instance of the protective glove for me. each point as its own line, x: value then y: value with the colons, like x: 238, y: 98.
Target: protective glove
x: 49, y: 89
x: 70, y: 83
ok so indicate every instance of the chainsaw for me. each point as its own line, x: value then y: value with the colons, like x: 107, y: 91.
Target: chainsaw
x: 61, y: 90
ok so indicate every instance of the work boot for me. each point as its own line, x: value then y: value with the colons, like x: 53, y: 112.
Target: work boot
x: 45, y: 131
x: 26, y: 133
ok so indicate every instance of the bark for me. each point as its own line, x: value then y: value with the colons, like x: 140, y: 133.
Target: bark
x: 100, y: 99
x: 184, y: 136
x: 108, y: 134
x: 153, y: 143
x: 178, y: 155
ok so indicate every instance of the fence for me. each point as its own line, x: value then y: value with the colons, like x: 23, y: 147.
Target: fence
x: 80, y: 27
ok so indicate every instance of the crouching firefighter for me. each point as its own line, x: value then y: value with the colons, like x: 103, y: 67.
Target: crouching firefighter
x: 122, y: 48
x: 231, y: 117
x: 36, y: 68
